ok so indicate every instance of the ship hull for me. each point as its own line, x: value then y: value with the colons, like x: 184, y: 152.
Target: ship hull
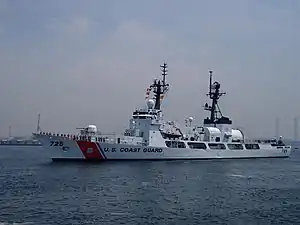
x: 21, y: 145
x: 64, y: 150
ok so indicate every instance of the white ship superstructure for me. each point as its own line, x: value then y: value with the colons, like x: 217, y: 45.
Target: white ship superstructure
x: 149, y: 137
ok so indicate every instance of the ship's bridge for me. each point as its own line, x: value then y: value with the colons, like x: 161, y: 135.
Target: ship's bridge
x: 147, y: 113
x: 144, y: 114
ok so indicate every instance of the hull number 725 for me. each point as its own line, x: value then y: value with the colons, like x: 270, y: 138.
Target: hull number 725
x: 56, y: 143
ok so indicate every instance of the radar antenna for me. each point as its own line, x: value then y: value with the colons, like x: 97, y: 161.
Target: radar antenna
x: 214, y: 94
x: 160, y: 87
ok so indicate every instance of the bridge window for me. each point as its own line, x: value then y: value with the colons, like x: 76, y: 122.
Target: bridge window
x: 175, y: 144
x: 235, y: 146
x: 252, y: 146
x: 181, y: 144
x: 168, y: 144
x: 197, y: 145
x: 216, y: 146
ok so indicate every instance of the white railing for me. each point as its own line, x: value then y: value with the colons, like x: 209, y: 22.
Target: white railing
x: 110, y: 138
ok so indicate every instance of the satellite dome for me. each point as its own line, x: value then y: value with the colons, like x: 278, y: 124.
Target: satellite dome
x: 150, y: 104
x: 92, y: 128
x: 190, y: 119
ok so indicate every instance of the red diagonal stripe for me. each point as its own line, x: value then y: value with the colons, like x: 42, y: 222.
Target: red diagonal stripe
x: 89, y: 150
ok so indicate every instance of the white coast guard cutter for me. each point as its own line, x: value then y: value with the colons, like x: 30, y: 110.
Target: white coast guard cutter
x: 150, y: 138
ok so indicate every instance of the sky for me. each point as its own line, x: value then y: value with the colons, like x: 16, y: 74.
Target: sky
x: 80, y: 62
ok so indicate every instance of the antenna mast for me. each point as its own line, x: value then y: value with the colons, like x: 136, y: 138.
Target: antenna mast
x: 9, y: 131
x: 210, y: 81
x: 38, y: 128
x: 214, y: 94
x: 164, y: 70
x: 160, y: 87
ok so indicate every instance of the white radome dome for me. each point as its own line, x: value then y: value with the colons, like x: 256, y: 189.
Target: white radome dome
x: 150, y: 104
x: 92, y: 128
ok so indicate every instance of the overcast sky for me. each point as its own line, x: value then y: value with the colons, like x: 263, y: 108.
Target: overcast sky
x: 90, y: 62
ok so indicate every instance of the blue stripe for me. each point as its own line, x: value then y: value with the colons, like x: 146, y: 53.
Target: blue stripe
x: 101, y: 150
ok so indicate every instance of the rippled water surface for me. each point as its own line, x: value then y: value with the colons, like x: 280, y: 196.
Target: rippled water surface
x: 34, y: 190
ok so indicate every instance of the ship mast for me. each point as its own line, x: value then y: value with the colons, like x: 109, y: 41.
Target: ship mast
x: 38, y: 127
x: 160, y: 87
x: 214, y: 94
x: 9, y: 131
